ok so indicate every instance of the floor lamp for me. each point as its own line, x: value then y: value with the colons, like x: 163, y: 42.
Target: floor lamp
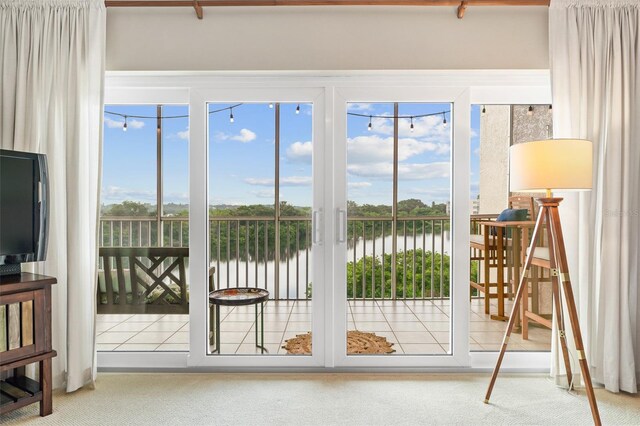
x: 560, y: 164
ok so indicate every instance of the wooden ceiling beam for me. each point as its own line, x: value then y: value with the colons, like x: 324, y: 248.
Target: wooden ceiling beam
x: 198, y: 9
x: 461, y: 9
x: 221, y: 3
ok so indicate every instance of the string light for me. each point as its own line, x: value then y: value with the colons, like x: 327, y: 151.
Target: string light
x: 530, y: 110
x: 232, y: 119
x: 484, y: 110
x: 387, y: 117
x: 550, y: 110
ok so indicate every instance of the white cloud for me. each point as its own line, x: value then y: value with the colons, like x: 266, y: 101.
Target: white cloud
x: 284, y: 181
x: 118, y: 194
x: 135, y: 124
x: 113, y: 124
x: 374, y: 149
x: 296, y: 181
x: 183, y: 134
x: 300, y: 152
x: 359, y: 184
x: 264, y: 193
x: 244, y: 136
x: 259, y: 181
x: 118, y: 124
x: 406, y: 171
x: 359, y: 107
x: 435, y: 193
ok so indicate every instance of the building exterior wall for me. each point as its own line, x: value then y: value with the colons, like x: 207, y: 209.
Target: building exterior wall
x: 495, y: 134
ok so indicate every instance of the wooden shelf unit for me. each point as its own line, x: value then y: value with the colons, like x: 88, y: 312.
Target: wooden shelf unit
x: 25, y: 338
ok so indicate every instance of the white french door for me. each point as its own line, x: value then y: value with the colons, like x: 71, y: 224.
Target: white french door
x: 389, y: 301
x: 328, y: 216
x: 257, y: 222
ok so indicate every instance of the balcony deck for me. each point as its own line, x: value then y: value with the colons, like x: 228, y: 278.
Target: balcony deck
x: 415, y: 327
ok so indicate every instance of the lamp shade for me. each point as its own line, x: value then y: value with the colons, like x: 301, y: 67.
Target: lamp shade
x: 563, y: 164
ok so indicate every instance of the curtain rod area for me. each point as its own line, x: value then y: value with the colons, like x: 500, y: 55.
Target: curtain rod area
x: 198, y: 5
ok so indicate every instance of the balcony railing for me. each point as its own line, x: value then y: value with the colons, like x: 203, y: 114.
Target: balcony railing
x: 407, y: 261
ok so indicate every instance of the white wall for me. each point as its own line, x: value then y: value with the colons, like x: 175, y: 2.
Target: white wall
x: 327, y: 38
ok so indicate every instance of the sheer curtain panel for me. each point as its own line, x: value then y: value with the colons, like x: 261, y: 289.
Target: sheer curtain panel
x: 51, y: 91
x: 595, y: 77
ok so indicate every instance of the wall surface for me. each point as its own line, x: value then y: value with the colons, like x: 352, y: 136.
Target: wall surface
x: 326, y: 38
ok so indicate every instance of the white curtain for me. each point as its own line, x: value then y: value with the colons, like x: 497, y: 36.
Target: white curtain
x: 51, y: 91
x: 595, y: 75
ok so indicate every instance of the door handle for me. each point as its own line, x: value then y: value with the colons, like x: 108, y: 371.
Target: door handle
x: 317, y: 228
x: 341, y: 219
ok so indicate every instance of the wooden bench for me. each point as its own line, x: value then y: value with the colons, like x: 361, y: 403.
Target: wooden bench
x: 144, y: 280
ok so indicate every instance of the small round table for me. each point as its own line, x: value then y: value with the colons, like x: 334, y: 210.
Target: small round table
x: 239, y: 297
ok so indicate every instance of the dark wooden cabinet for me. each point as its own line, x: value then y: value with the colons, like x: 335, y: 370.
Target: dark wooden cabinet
x: 25, y: 338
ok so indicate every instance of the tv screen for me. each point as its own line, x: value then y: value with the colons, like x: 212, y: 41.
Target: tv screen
x: 16, y: 214
x: 22, y: 207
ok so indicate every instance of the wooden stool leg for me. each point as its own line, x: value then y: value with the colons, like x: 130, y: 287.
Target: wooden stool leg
x: 525, y: 305
x: 487, y: 277
x: 500, y: 274
x: 46, y: 405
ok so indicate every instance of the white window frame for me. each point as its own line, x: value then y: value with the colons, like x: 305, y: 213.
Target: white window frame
x: 463, y: 87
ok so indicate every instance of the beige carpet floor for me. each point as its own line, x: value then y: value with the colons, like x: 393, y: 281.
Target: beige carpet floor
x: 326, y: 399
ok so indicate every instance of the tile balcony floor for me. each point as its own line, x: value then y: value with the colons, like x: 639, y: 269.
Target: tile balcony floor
x: 415, y: 327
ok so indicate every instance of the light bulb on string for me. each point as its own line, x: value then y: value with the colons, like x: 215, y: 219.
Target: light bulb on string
x: 550, y: 110
x: 411, y: 127
x: 484, y: 110
x: 270, y: 105
x: 298, y: 109
x: 370, y: 126
x: 530, y: 110
x: 444, y: 119
x: 124, y: 126
x: 231, y: 115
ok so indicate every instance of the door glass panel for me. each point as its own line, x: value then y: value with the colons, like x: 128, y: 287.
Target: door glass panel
x: 494, y: 128
x: 143, y: 305
x: 399, y: 192
x: 260, y: 201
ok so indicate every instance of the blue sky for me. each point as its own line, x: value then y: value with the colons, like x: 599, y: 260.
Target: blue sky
x: 242, y: 154
x: 424, y: 155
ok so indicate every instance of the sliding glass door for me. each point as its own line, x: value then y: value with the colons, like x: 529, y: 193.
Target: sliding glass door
x: 394, y: 254
x: 263, y: 238
x: 327, y: 223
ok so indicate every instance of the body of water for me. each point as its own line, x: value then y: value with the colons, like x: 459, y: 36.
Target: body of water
x: 297, y: 271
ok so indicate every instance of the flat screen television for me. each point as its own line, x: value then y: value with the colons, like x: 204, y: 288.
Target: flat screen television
x: 23, y: 209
